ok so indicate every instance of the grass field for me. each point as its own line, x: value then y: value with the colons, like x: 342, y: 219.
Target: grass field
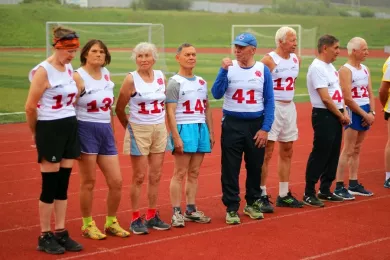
x: 199, y: 28
x: 16, y: 65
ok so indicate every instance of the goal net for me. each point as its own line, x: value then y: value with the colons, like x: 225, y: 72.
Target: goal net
x: 265, y: 35
x: 120, y: 38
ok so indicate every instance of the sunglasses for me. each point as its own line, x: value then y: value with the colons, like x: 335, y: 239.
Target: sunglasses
x: 67, y: 37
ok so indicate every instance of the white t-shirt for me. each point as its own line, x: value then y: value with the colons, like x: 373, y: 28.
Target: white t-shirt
x: 284, y: 75
x: 324, y: 75
x: 57, y: 101
x: 95, y: 104
x: 359, y: 88
x: 245, y: 90
x: 147, y: 106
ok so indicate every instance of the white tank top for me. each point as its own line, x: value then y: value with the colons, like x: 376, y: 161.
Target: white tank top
x: 147, y: 106
x: 95, y: 104
x: 57, y: 101
x: 245, y: 90
x: 359, y: 84
x: 284, y: 76
x: 191, y: 105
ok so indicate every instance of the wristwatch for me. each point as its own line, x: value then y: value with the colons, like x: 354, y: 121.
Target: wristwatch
x: 372, y: 112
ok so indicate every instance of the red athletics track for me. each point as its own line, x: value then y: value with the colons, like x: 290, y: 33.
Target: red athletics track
x: 348, y: 230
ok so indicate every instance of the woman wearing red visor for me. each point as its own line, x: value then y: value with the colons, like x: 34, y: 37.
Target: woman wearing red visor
x: 52, y: 120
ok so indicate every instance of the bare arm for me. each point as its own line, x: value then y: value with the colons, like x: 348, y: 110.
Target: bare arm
x: 328, y: 102
x: 370, y: 92
x: 384, y: 92
x: 38, y: 86
x: 79, y: 83
x: 173, y: 89
x: 345, y: 76
x: 269, y: 62
x: 171, y: 116
x: 125, y: 93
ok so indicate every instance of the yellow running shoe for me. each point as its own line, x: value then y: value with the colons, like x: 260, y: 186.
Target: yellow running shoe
x: 92, y: 231
x: 116, y: 230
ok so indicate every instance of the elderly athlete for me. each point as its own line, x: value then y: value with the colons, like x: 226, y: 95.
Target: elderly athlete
x: 248, y: 114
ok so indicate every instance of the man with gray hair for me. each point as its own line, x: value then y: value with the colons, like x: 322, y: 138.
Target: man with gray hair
x: 284, y: 66
x: 248, y: 114
x: 355, y: 82
x: 192, y: 136
x: 328, y: 116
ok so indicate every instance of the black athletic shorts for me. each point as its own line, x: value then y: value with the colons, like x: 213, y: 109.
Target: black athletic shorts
x: 387, y: 115
x: 57, y: 139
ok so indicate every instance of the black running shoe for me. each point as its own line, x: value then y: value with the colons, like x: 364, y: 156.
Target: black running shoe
x: 329, y: 197
x: 313, y: 201
x: 265, y: 204
x: 344, y: 193
x: 288, y: 201
x: 68, y: 243
x: 49, y: 244
x: 360, y: 190
x: 138, y: 227
x: 157, y: 223
x: 387, y: 183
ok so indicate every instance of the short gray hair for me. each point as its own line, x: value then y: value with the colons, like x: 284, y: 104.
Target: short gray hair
x: 281, y: 34
x: 182, y: 46
x: 355, y: 44
x: 144, y: 47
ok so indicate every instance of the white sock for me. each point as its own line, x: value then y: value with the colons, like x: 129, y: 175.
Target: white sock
x: 263, y: 190
x: 283, y: 189
x: 387, y: 176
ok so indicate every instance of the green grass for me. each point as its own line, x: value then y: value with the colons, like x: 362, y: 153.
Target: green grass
x: 199, y: 28
x: 16, y: 65
x: 253, y: 2
x: 23, y: 25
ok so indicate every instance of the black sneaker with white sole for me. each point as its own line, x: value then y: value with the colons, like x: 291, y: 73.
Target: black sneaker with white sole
x: 360, y: 190
x: 313, y: 201
x: 138, y: 227
x: 329, y: 197
x: 157, y: 223
x: 265, y: 204
x: 288, y: 201
x: 67, y: 242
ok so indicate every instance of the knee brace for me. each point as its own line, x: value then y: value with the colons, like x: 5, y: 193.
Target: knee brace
x: 63, y: 183
x: 49, y: 186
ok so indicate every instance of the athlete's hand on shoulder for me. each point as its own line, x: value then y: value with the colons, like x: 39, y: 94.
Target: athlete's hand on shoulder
x: 178, y: 145
x: 261, y: 138
x: 226, y: 62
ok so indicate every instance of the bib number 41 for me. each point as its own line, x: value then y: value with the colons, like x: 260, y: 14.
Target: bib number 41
x: 249, y: 97
x: 337, y: 96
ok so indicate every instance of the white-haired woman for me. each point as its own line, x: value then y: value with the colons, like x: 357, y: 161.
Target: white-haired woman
x: 144, y: 91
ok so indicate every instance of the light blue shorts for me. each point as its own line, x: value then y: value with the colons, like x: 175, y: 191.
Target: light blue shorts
x: 195, y: 138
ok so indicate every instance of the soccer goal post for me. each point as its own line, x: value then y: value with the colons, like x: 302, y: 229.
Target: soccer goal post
x: 265, y: 35
x: 120, y: 39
